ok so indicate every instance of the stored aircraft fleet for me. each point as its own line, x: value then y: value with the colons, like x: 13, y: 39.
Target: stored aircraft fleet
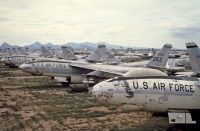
x: 153, y: 85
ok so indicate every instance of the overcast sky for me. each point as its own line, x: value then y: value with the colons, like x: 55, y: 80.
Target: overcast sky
x: 141, y: 23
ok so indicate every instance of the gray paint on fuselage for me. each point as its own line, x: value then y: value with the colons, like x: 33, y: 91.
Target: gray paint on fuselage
x: 58, y: 69
x: 153, y: 86
x: 150, y: 94
x: 160, y: 87
x: 155, y: 77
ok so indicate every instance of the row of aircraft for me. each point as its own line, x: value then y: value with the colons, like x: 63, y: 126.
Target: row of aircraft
x: 80, y: 74
x: 19, y: 58
x: 145, y: 85
x: 152, y: 90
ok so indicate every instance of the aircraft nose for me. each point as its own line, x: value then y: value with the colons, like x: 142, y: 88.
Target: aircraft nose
x: 96, y: 90
x: 101, y: 92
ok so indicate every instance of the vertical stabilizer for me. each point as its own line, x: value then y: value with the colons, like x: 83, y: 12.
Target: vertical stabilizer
x: 46, y: 52
x: 161, y: 57
x: 102, y: 54
x: 67, y: 54
x: 194, y: 54
x: 22, y: 51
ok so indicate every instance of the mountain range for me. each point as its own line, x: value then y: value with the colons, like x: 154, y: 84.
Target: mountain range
x: 74, y: 45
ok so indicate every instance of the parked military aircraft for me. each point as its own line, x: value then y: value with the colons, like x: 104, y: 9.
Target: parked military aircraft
x: 183, y: 61
x: 46, y: 55
x: 153, y: 91
x: 2, y: 55
x: 102, y: 54
x: 171, y: 67
x: 76, y: 72
x: 158, y: 61
x: 17, y: 59
x: 67, y: 54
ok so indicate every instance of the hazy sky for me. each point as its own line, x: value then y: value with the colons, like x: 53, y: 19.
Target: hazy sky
x: 142, y: 23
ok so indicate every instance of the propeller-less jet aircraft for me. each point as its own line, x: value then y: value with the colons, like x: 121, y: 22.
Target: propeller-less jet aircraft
x: 82, y: 73
x: 46, y: 54
x: 18, y: 59
x: 151, y: 90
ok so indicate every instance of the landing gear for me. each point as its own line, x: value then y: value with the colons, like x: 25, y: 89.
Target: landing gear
x: 65, y: 84
x: 79, y: 87
x: 180, y: 117
x: 68, y: 79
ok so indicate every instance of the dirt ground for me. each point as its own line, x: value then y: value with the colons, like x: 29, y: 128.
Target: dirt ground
x: 38, y: 103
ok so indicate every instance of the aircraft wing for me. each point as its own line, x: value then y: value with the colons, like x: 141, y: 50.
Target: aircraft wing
x: 95, y: 71
x: 168, y: 69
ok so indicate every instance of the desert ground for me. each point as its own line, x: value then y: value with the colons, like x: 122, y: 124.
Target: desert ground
x: 38, y: 103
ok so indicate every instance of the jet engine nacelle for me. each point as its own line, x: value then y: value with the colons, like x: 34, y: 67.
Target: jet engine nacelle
x: 79, y: 87
x: 70, y: 79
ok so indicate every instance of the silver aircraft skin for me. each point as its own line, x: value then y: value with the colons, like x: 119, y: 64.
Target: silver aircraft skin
x: 183, y: 61
x: 17, y: 59
x: 60, y: 69
x: 70, y: 69
x: 14, y: 59
x: 177, y: 96
x: 67, y: 54
x: 103, y: 55
x: 158, y: 61
x: 47, y: 55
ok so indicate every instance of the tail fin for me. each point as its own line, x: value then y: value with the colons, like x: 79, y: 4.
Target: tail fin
x: 102, y: 54
x: 22, y: 51
x: 46, y: 52
x: 67, y: 54
x: 160, y: 59
x: 194, y: 54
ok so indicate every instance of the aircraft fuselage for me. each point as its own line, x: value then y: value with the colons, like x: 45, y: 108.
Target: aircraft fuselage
x: 152, y: 94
